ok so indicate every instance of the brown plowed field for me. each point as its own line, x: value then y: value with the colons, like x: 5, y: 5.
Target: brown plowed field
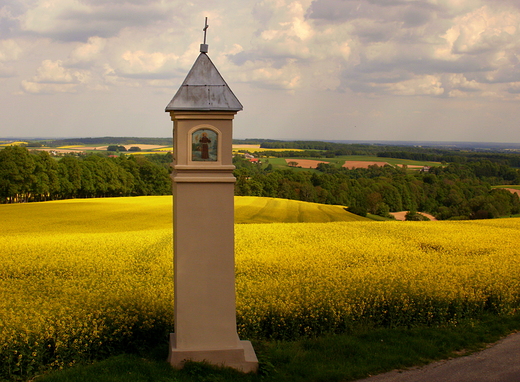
x: 305, y: 163
x: 362, y: 164
x: 401, y: 215
x: 514, y: 191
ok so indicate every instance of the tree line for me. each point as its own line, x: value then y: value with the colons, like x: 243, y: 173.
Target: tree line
x: 27, y: 176
x: 457, y: 191
x: 101, y: 141
x: 454, y: 156
x: 420, y: 153
x: 454, y: 191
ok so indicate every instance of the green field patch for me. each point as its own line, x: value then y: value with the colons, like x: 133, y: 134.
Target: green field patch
x: 512, y: 186
x: 391, y: 161
x: 339, y: 161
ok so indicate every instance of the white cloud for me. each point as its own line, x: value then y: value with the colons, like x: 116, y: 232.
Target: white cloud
x: 75, y: 20
x: 483, y: 30
x: 421, y: 85
x: 514, y: 88
x: 297, y: 44
x: 288, y: 77
x: 394, y: 51
x: 489, y: 36
x: 48, y: 16
x: 143, y: 63
x: 53, y: 72
x: 10, y: 50
x: 39, y: 88
x: 284, y: 32
x: 52, y: 77
x: 88, y: 51
x: 461, y: 83
x: 288, y: 50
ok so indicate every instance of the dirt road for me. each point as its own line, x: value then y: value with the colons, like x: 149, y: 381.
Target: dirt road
x: 498, y: 363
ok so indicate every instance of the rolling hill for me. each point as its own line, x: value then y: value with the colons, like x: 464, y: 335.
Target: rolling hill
x: 153, y: 212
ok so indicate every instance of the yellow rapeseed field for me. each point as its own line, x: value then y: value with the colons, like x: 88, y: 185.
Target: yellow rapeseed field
x: 237, y: 149
x: 296, y: 279
x: 18, y: 143
x: 253, y: 209
x: 82, y: 279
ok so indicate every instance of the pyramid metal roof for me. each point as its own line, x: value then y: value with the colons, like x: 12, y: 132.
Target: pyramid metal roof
x: 204, y: 89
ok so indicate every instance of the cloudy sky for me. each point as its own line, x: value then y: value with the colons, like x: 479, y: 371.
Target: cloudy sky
x: 436, y: 70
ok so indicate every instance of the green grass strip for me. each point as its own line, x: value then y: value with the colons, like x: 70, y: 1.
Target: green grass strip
x: 343, y: 357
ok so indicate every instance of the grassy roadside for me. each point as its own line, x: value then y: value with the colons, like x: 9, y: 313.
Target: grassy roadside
x: 512, y: 186
x: 345, y: 357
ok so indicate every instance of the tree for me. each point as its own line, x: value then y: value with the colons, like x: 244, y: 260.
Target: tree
x: 116, y: 148
x: 70, y: 176
x: 155, y: 177
x: 357, y: 211
x: 414, y: 216
x: 16, y: 174
x: 383, y: 210
x: 374, y: 199
x: 98, y: 171
x: 46, y: 181
x: 88, y: 187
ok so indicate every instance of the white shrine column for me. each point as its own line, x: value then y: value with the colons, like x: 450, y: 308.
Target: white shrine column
x: 203, y: 188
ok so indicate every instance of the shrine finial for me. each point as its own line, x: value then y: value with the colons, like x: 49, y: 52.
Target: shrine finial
x: 204, y: 46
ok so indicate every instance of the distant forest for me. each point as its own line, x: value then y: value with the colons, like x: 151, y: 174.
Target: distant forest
x: 108, y: 141
x: 456, y: 191
x: 431, y: 154
x: 461, y: 189
x: 33, y: 176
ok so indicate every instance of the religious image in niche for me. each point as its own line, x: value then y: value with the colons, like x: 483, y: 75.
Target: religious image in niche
x: 204, y: 145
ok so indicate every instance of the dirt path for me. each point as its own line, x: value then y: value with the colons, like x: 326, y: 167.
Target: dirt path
x: 498, y: 363
x: 514, y: 191
x: 402, y: 215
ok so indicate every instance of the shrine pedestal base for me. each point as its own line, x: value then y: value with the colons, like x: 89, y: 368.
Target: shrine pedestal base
x: 242, y: 358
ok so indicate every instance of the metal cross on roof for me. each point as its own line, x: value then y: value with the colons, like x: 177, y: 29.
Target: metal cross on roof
x: 204, y: 46
x: 206, y: 26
